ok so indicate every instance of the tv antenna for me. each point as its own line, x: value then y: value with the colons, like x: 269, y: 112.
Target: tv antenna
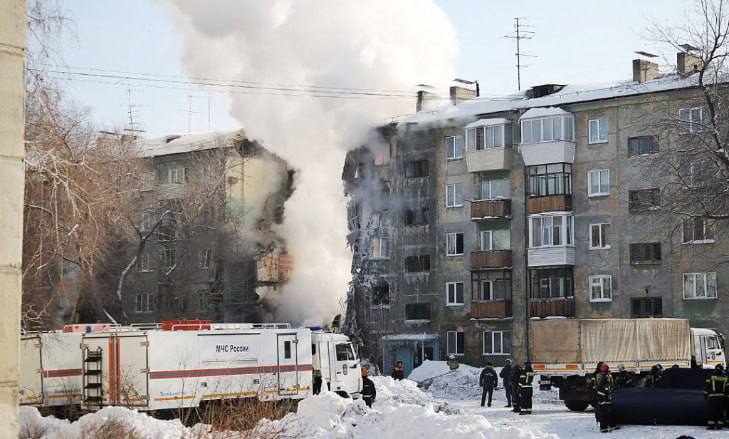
x: 132, y: 112
x: 521, y: 32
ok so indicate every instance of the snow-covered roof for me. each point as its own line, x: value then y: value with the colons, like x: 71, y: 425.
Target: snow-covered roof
x: 182, y: 143
x: 488, y: 122
x: 543, y: 112
x: 569, y: 94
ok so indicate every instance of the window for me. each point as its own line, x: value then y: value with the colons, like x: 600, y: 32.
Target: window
x: 344, y: 352
x: 454, y: 147
x: 487, y: 240
x: 144, y: 264
x: 552, y: 283
x: 186, y: 174
x: 553, y: 179
x: 172, y: 175
x: 646, y: 307
x: 455, y: 342
x: 601, y: 288
x: 381, y: 293
x: 699, y: 286
x: 644, y: 200
x: 413, y: 217
x: 454, y: 195
x: 598, y: 182
x: 287, y: 350
x: 599, y: 236
x: 382, y: 154
x: 147, y: 221
x: 454, y: 293
x: 642, y: 145
x: 598, y: 129
x: 496, y: 342
x: 417, y: 168
x: 550, y: 231
x: 692, y: 119
x: 547, y: 129
x: 380, y: 248
x: 206, y: 257
x: 167, y: 256
x: 493, y: 189
x: 144, y: 303
x: 454, y: 244
x: 697, y: 230
x: 649, y: 253
x: 414, y: 264
x: 493, y: 289
x: 483, y: 137
x: 417, y: 311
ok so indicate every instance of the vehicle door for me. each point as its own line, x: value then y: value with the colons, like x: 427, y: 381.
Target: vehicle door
x: 347, y: 369
x: 132, y: 369
x: 288, y: 364
x: 714, y: 351
x: 31, y: 372
x: 700, y: 350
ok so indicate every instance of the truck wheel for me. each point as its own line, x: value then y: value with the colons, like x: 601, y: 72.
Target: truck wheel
x: 577, y: 406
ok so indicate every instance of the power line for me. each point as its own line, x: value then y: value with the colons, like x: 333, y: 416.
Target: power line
x: 521, y: 32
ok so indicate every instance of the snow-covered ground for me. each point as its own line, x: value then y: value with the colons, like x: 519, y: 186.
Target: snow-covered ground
x: 450, y: 407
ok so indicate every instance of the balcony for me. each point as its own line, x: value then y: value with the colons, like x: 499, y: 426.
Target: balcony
x: 485, y: 260
x: 551, y: 203
x: 559, y: 306
x: 558, y: 151
x: 546, y: 256
x: 492, y: 309
x: 490, y: 209
x: 489, y: 159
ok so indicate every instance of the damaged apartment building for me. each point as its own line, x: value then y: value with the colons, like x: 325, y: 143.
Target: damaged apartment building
x: 204, y: 241
x: 469, y: 220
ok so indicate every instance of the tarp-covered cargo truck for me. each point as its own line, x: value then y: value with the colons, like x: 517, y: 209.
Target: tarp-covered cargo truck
x: 564, y: 351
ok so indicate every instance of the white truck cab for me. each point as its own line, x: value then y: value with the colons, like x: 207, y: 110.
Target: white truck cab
x: 707, y: 347
x: 334, y: 357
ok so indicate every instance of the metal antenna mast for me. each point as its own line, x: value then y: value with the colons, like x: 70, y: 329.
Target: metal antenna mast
x: 521, y: 32
x: 132, y: 112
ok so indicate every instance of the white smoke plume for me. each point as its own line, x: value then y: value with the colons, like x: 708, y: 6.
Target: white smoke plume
x: 365, y: 44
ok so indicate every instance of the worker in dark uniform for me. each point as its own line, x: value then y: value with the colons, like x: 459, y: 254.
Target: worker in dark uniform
x: 515, y: 373
x: 505, y: 376
x: 623, y: 378
x: 398, y: 372
x: 317, y: 382
x: 368, y: 387
x: 654, y: 376
x: 488, y: 381
x: 604, y: 386
x: 526, y: 378
x: 715, y: 393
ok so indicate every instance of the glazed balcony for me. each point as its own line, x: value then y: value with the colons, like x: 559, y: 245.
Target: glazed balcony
x: 491, y: 309
x: 485, y: 209
x: 551, y: 203
x: 484, y: 260
x: 489, y: 159
x: 558, y: 151
x: 558, y: 306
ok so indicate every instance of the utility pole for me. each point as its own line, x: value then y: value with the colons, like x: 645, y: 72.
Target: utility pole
x: 521, y: 32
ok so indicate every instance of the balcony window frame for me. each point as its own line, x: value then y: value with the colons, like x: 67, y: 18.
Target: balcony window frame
x: 503, y: 336
x: 565, y: 134
x: 604, y: 283
x: 546, y: 181
x: 707, y: 225
x: 565, y: 229
x: 459, y: 341
x: 452, y: 294
x: 481, y: 235
x: 561, y: 278
x: 454, y: 151
x: 603, y: 236
x: 490, y: 136
x: 598, y: 130
x: 602, y: 191
x: 708, y: 279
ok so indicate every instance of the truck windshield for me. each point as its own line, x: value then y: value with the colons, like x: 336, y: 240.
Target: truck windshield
x: 344, y: 352
x: 712, y: 343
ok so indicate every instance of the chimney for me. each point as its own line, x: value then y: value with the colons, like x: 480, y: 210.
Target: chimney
x: 687, y: 63
x: 463, y: 90
x: 426, y: 98
x: 644, y: 70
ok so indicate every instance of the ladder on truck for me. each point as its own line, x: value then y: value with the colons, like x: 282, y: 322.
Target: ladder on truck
x: 92, y: 379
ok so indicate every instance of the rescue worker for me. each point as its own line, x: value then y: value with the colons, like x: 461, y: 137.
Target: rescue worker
x: 488, y: 381
x: 654, y: 376
x: 398, y: 372
x: 623, y: 378
x: 368, y: 387
x: 715, y: 393
x: 604, y: 386
x: 526, y: 378
x: 515, y: 373
x: 505, y: 376
x: 316, y: 385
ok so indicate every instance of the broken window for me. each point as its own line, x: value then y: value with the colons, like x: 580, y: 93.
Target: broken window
x: 409, y: 217
x: 381, y: 293
x: 415, y: 264
x: 417, y: 311
x: 649, y: 253
x: 417, y: 168
x: 644, y: 200
x: 646, y: 307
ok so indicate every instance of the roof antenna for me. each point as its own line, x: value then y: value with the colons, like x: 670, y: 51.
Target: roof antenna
x: 521, y: 32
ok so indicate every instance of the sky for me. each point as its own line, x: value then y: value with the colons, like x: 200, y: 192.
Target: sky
x: 574, y: 41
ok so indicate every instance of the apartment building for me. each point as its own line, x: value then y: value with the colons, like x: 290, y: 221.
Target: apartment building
x: 469, y: 220
x: 205, y: 239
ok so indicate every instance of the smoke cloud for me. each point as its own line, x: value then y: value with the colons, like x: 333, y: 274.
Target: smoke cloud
x: 379, y: 45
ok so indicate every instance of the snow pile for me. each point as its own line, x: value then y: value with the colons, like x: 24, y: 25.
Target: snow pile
x: 401, y: 410
x: 429, y: 369
x: 437, y: 378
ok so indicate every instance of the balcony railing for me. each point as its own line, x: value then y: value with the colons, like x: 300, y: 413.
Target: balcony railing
x: 498, y: 309
x: 489, y: 159
x: 484, y: 260
x: 559, y: 306
x: 490, y: 209
x: 551, y: 203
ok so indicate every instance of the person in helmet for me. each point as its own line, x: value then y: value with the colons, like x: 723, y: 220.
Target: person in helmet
x: 654, y: 376
x: 369, y: 393
x: 604, y: 386
x: 623, y: 378
x: 715, y: 394
x: 526, y: 378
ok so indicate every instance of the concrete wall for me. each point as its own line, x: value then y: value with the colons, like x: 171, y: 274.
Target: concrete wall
x: 12, y: 151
